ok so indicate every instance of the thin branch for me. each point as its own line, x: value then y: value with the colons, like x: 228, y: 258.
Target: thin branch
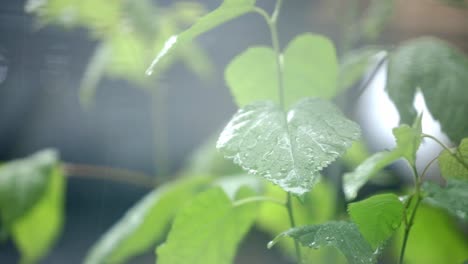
x: 108, y: 173
x: 461, y: 161
x: 258, y: 199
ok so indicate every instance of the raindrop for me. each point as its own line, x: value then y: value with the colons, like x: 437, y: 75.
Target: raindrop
x: 270, y: 244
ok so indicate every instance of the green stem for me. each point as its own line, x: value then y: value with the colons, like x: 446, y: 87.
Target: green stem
x: 160, y: 136
x: 461, y: 161
x: 409, y: 223
x: 258, y: 199
x: 293, y: 224
x: 110, y: 174
x: 272, y: 25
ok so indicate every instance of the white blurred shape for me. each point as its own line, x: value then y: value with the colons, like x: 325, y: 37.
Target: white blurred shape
x: 378, y: 116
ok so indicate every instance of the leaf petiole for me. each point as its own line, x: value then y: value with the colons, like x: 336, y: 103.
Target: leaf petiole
x: 255, y: 199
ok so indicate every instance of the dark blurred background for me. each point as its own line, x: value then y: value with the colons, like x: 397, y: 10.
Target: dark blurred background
x: 41, y: 70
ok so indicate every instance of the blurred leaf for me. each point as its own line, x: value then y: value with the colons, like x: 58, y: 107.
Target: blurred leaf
x: 353, y: 181
x: 439, y: 71
x: 146, y: 223
x: 232, y: 184
x: 310, y: 68
x: 208, y: 231
x: 228, y: 10
x: 377, y: 16
x: 290, y: 151
x: 341, y: 235
x: 22, y: 184
x: 318, y: 207
x: 207, y: 159
x: 101, y: 16
x: 36, y: 231
x: 456, y: 3
x: 377, y: 217
x: 93, y: 74
x: 355, y: 65
x: 453, y: 197
x: 197, y: 61
x: 434, y: 239
x: 129, y: 32
x: 356, y: 154
x: 455, y: 165
x: 408, y: 140
x: 252, y: 75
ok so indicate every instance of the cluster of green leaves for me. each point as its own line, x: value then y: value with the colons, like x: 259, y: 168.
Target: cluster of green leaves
x: 32, y: 203
x: 129, y: 32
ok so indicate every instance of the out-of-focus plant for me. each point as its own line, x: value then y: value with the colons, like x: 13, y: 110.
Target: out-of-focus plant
x: 128, y: 34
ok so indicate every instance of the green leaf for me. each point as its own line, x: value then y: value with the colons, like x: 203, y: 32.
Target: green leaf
x: 354, y: 66
x: 435, y: 238
x: 453, y: 197
x: 228, y: 10
x: 22, y: 184
x: 353, y: 181
x: 101, y: 16
x: 455, y: 165
x: 232, y: 184
x: 206, y: 159
x: 408, y: 140
x: 288, y: 149
x: 341, y: 235
x: 208, y: 230
x: 146, y: 223
x: 310, y: 70
x: 377, y: 217
x: 252, y: 76
x: 439, y: 72
x: 376, y: 18
x: 318, y: 206
x: 36, y: 231
x: 93, y: 74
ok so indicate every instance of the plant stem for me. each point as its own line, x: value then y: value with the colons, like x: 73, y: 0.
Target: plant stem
x: 276, y: 47
x: 258, y: 199
x: 293, y: 224
x: 409, y: 223
x: 461, y: 161
x: 160, y: 136
x: 272, y: 25
x: 107, y: 173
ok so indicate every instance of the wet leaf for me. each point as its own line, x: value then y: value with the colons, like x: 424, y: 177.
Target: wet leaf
x: 453, y: 197
x: 377, y: 217
x: 341, y: 235
x: 455, y: 165
x: 288, y: 149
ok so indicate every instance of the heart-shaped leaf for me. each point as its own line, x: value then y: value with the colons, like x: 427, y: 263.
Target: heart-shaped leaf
x: 310, y: 70
x: 288, y: 149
